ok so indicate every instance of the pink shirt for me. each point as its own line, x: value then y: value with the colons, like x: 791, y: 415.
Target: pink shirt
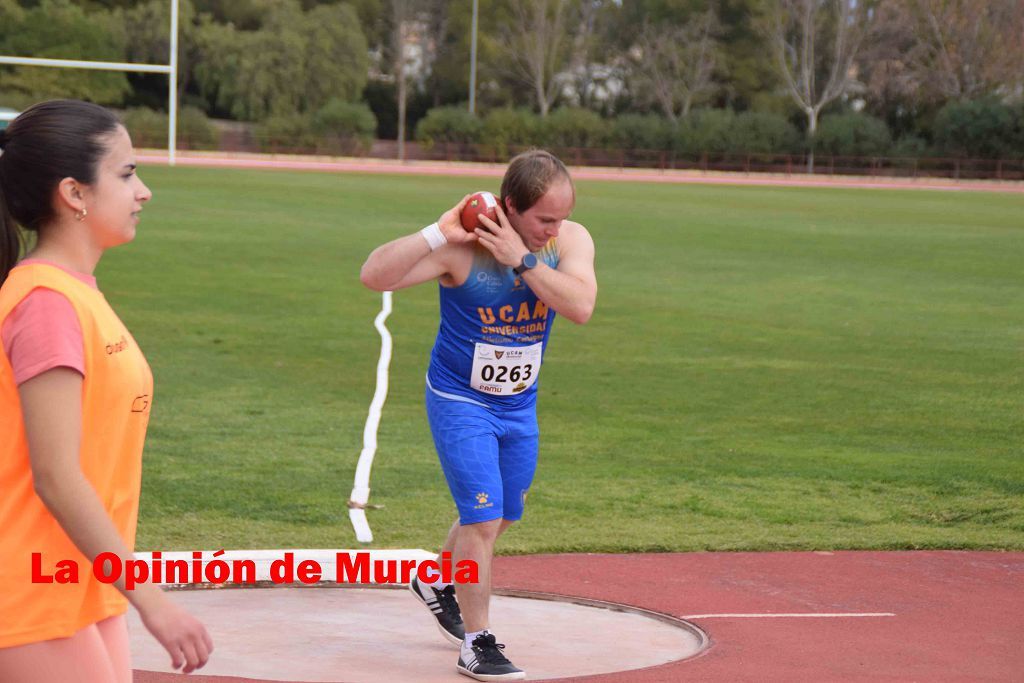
x: 42, y: 332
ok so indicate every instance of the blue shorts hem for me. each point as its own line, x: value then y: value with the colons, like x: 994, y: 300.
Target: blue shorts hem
x: 483, y: 517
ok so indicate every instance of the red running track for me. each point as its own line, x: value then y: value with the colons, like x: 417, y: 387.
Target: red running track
x: 959, y: 616
x: 385, y: 166
x: 956, y: 616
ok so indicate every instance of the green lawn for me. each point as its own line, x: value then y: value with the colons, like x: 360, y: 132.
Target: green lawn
x: 767, y: 368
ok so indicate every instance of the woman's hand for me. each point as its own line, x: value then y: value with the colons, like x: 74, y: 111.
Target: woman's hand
x: 182, y: 635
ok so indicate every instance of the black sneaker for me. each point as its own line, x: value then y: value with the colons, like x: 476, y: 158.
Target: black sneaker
x: 444, y: 607
x: 484, y: 661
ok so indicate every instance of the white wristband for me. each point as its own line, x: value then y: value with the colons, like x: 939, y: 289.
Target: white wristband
x: 434, y: 237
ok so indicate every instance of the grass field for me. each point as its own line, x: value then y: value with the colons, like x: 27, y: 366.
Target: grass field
x: 767, y: 368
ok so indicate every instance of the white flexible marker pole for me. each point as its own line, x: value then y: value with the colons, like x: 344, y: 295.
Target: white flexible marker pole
x: 361, y: 486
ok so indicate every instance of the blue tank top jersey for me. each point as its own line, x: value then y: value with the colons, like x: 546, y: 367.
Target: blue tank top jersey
x: 493, y: 307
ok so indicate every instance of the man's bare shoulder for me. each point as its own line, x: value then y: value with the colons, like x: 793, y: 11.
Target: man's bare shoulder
x: 459, y: 253
x: 572, y: 233
x: 574, y: 227
x: 458, y: 261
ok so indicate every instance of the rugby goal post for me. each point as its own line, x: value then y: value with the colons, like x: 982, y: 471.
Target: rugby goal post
x: 171, y: 69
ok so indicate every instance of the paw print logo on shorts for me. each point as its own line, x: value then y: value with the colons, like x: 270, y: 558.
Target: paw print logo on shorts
x: 481, y: 498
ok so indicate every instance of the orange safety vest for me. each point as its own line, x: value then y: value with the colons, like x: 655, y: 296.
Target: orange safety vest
x: 116, y: 396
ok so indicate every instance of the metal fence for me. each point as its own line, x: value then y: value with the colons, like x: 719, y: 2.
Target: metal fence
x: 824, y: 164
x: 787, y: 164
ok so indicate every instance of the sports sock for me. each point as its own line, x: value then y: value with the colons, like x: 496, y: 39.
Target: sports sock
x: 471, y: 636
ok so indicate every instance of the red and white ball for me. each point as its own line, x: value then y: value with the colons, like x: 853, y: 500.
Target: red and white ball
x: 483, y: 203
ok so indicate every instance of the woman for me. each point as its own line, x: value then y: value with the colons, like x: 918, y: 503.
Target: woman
x: 75, y: 393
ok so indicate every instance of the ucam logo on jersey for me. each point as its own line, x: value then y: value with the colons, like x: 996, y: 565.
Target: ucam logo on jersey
x: 510, y: 314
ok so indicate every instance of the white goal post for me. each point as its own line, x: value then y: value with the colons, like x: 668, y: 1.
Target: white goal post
x: 170, y: 69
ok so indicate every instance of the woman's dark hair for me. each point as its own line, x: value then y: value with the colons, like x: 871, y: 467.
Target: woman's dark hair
x: 48, y: 142
x: 529, y: 176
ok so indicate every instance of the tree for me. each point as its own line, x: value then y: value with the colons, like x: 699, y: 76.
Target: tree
x: 676, y: 63
x: 401, y: 12
x: 252, y: 74
x: 59, y: 29
x: 747, y: 80
x: 336, y: 58
x: 919, y: 54
x: 439, y: 42
x: 892, y: 89
x: 590, y: 57
x: 244, y: 15
x: 814, y: 43
x: 293, y: 64
x: 535, y: 44
x: 148, y: 27
x: 980, y: 128
x: 938, y: 50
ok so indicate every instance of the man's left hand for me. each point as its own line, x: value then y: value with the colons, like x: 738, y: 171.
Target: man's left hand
x: 502, y: 240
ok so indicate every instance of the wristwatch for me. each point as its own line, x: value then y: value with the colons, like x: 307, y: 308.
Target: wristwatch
x: 529, y: 262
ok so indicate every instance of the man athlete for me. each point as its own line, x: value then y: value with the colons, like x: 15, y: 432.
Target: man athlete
x: 500, y: 288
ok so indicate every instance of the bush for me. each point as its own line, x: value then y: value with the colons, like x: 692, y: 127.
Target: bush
x: 344, y: 127
x: 195, y: 130
x: 17, y: 101
x: 507, y: 127
x: 148, y: 128
x: 755, y: 132
x: 286, y: 133
x: 448, y: 124
x: 573, y: 127
x: 853, y: 135
x: 704, y: 130
x: 1017, y: 141
x: 978, y: 129
x: 640, y: 131
x: 910, y: 146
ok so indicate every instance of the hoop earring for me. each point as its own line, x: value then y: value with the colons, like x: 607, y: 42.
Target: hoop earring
x: 80, y: 216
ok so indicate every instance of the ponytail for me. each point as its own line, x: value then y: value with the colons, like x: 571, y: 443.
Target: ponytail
x: 10, y: 239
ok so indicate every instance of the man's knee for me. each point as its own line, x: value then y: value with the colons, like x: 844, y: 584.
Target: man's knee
x: 483, y: 531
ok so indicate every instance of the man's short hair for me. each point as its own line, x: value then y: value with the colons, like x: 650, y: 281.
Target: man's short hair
x: 529, y: 176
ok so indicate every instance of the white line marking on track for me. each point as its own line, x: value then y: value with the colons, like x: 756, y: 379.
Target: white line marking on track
x: 777, y: 616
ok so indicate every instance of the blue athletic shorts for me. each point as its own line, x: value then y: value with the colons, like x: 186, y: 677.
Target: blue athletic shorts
x: 488, y: 460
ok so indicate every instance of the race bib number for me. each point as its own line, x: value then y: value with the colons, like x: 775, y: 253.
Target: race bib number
x: 505, y: 370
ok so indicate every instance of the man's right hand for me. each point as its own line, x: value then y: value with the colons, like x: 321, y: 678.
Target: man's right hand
x: 451, y: 224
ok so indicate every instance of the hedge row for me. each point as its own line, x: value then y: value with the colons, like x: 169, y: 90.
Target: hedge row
x: 337, y: 128
x: 705, y: 131
x: 983, y: 129
x: 148, y: 128
x: 979, y: 129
